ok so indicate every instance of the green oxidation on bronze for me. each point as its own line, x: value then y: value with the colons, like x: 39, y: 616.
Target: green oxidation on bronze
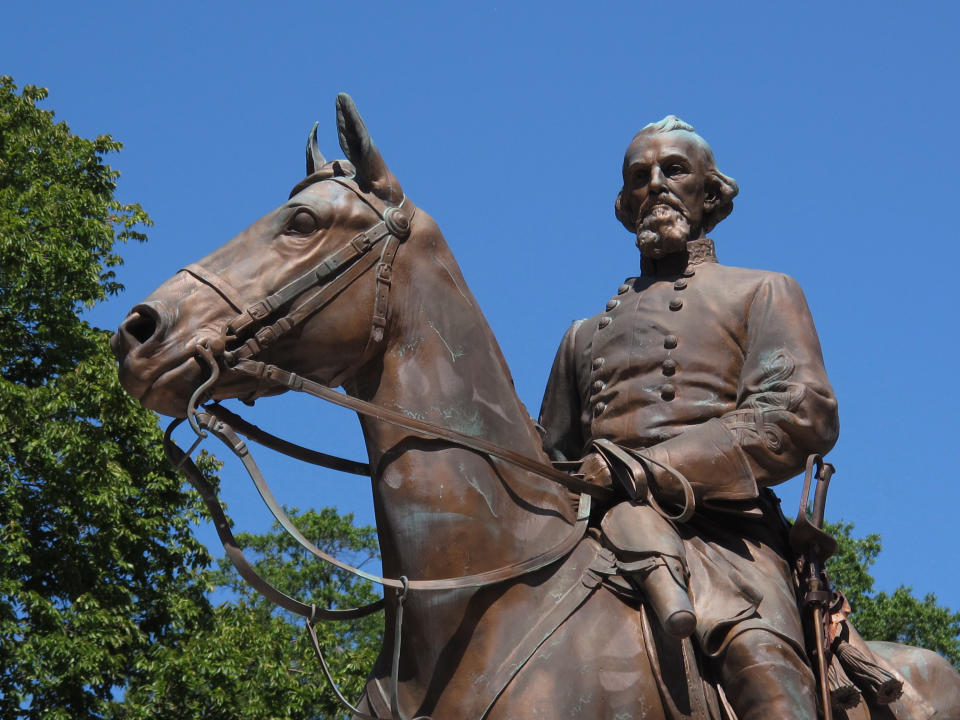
x: 463, y: 419
x: 416, y: 415
x: 402, y: 348
x: 455, y: 352
x: 453, y: 278
x: 710, y: 372
x: 466, y: 475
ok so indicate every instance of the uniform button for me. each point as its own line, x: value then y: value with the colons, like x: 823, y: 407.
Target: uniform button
x: 598, y: 363
x: 623, y: 288
x: 598, y: 385
x: 668, y: 392
x: 669, y: 366
x: 612, y: 304
x: 675, y: 304
x: 599, y: 408
x: 680, y: 284
x: 689, y: 272
x: 604, y: 321
x: 670, y: 342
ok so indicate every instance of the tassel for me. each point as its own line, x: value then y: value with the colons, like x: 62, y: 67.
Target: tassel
x: 875, y: 683
x: 844, y: 695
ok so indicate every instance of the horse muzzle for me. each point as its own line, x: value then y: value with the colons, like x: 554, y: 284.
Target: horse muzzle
x: 136, y: 342
x: 155, y: 369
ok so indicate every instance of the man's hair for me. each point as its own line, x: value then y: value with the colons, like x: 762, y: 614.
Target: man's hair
x: 668, y: 124
x: 724, y: 187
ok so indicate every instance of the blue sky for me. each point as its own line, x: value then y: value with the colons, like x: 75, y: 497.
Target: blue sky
x: 508, y: 124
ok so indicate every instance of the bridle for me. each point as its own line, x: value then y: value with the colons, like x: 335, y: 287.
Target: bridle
x: 255, y: 328
x: 319, y: 285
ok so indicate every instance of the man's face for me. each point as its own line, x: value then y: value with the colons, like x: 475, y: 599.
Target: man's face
x: 664, y: 185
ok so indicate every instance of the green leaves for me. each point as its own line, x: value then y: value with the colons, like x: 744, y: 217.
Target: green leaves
x: 97, y: 557
x: 59, y: 223
x: 255, y: 661
x: 900, y: 617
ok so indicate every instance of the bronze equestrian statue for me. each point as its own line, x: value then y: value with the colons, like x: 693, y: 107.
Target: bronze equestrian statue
x: 501, y: 599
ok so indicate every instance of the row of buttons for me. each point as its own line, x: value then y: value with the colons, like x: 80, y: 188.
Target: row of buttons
x: 669, y: 367
x: 605, y: 320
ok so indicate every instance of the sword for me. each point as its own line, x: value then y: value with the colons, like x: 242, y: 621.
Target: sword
x: 809, y: 541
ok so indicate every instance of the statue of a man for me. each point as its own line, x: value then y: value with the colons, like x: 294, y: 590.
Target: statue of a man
x: 717, y: 372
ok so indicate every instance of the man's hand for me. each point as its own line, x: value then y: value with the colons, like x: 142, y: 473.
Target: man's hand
x: 594, y: 469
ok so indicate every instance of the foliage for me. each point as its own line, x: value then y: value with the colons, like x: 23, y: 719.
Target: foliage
x: 256, y: 661
x: 898, y: 617
x: 97, y: 557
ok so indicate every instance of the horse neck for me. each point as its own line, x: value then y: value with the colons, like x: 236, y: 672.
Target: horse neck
x: 443, y: 510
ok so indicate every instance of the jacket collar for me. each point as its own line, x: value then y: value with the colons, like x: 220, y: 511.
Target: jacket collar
x: 696, y: 252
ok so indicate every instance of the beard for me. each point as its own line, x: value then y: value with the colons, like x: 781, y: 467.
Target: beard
x: 662, y: 231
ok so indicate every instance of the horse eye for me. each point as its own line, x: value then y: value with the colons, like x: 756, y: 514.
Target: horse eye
x: 302, y: 223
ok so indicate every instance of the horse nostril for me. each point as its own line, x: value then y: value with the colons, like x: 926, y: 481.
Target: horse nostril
x: 142, y: 323
x: 140, y: 326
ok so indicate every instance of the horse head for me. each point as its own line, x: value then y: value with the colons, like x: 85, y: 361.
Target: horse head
x: 259, y: 295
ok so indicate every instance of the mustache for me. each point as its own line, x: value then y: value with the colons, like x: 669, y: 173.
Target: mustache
x: 665, y: 200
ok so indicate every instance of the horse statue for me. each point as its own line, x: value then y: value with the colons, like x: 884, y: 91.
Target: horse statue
x: 499, y: 605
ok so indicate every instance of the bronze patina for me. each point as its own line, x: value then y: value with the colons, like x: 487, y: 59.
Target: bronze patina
x: 698, y: 388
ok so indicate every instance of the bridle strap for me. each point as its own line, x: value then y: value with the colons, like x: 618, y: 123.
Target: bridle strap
x: 393, y: 226
x: 297, y: 452
x: 381, y: 302
x: 272, y: 373
x: 359, y: 245
x: 311, y: 303
x: 225, y: 434
x: 224, y: 289
x: 186, y: 465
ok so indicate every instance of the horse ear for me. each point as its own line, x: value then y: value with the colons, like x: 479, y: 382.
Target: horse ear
x: 315, y: 159
x: 372, y: 173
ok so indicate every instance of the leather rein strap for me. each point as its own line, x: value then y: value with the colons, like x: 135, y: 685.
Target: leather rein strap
x: 292, y: 381
x: 226, y: 435
x: 185, y: 464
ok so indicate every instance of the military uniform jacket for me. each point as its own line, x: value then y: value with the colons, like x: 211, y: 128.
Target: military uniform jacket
x: 716, y: 371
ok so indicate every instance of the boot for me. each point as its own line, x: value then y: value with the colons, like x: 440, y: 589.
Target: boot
x: 763, y: 678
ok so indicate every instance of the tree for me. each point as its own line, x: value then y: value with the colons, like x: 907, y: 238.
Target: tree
x: 98, y: 562
x: 255, y: 661
x: 900, y: 617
